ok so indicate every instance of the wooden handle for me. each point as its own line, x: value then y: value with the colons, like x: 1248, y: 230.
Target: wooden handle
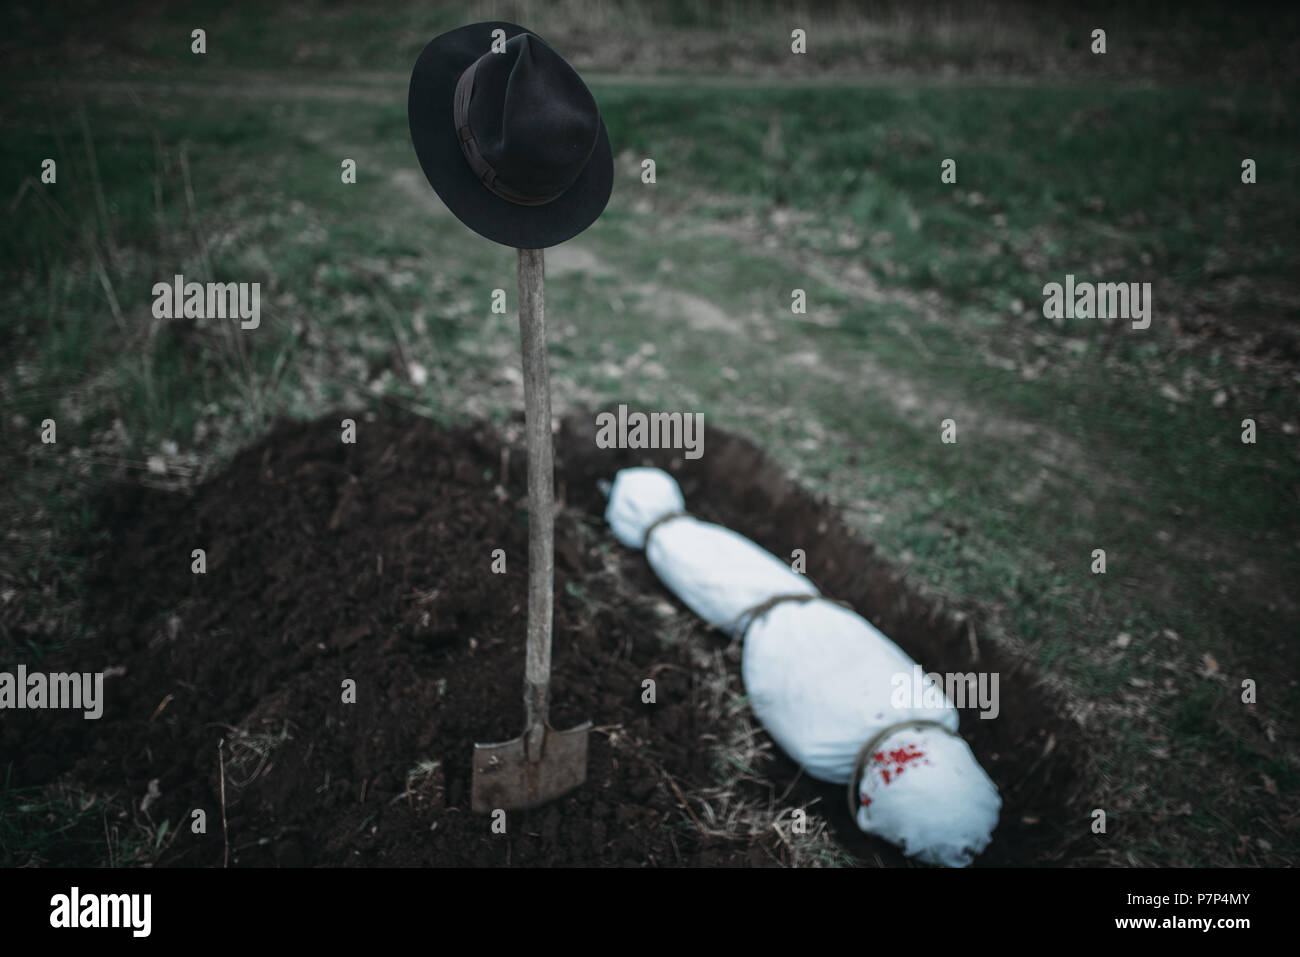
x: 541, y: 496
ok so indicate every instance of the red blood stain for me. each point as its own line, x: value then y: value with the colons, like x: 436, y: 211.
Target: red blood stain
x: 866, y: 800
x: 900, y: 758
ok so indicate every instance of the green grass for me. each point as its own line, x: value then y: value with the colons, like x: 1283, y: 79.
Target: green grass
x: 62, y: 828
x: 870, y: 159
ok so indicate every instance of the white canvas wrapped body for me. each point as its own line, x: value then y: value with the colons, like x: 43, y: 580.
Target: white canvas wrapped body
x: 821, y: 679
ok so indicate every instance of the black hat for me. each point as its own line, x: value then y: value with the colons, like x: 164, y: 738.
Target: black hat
x: 511, y: 141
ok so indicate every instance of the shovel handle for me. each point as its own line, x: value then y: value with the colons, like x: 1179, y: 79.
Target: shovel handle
x: 541, y: 496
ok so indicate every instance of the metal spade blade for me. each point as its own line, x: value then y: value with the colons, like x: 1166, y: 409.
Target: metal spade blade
x: 504, y: 777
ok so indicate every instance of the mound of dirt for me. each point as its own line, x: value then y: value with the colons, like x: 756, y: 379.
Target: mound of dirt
x: 372, y: 563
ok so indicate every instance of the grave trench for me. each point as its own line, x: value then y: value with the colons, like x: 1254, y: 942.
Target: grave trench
x: 294, y: 598
x: 1031, y: 750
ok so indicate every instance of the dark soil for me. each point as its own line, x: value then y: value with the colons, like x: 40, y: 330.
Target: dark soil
x: 372, y: 562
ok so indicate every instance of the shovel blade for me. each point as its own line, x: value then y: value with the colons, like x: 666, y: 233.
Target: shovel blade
x: 504, y: 777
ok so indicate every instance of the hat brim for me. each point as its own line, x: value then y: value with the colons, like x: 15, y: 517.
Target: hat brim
x: 433, y: 133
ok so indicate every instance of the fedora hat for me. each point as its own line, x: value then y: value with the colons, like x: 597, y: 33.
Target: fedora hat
x: 511, y: 141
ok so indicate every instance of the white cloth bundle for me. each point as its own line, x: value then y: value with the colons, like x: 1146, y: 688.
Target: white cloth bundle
x: 821, y: 679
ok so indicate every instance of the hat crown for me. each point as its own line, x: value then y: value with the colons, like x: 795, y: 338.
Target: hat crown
x: 534, y: 120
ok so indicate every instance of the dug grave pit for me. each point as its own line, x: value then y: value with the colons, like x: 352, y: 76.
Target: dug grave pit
x: 372, y: 563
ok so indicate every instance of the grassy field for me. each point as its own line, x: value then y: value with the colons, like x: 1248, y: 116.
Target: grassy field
x: 924, y: 304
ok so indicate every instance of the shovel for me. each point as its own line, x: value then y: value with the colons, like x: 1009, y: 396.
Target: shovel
x: 542, y: 763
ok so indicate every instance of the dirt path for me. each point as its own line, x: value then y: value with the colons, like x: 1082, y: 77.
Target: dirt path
x: 390, y: 87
